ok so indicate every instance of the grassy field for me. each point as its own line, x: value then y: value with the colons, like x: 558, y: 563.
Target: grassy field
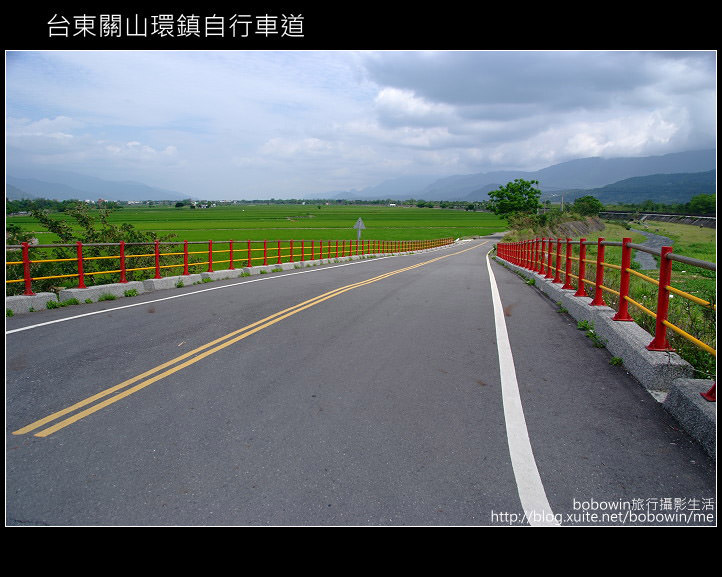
x: 285, y: 222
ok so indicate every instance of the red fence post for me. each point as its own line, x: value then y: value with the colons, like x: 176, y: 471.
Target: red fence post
x: 303, y: 250
x: 533, y: 255
x: 581, y: 289
x: 265, y: 252
x: 249, y: 254
x: 711, y: 395
x: 81, y: 277
x: 279, y: 253
x: 210, y: 256
x: 336, y: 249
x: 230, y: 246
x: 313, y: 249
x: 157, y: 259
x: 291, y: 251
x: 185, y: 258
x: 26, y: 269
x: 568, y: 266
x: 542, y: 266
x: 122, y: 262
x: 549, y: 259
x: 557, y: 272
x: 660, y: 342
x: 623, y: 308
x: 599, y: 277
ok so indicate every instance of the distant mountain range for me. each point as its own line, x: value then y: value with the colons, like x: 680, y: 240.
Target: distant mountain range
x: 666, y: 178
x: 575, y: 175
x: 661, y: 188
x: 61, y: 185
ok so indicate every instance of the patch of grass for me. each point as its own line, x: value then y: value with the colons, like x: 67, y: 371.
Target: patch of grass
x: 107, y: 297
x: 131, y: 293
x: 9, y: 313
x: 585, y: 325
x: 590, y: 333
x: 616, y: 361
x: 59, y: 304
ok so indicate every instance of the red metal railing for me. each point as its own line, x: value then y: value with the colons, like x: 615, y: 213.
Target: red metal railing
x: 277, y: 252
x: 531, y: 254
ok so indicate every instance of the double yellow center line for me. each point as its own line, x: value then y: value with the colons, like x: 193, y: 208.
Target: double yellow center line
x: 124, y: 389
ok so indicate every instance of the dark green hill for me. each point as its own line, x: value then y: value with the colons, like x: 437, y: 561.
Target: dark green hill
x: 661, y: 188
x: 676, y: 188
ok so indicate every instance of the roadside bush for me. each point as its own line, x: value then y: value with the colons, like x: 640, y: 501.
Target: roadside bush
x: 92, y: 227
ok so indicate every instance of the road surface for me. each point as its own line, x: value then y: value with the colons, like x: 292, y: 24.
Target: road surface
x: 388, y: 391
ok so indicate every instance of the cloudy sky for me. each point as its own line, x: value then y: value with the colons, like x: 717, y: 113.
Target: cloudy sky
x: 256, y: 124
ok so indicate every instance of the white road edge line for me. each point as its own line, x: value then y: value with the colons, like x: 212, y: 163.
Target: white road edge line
x: 529, y: 485
x: 113, y: 309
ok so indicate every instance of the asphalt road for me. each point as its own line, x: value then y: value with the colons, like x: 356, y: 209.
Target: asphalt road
x: 379, y: 404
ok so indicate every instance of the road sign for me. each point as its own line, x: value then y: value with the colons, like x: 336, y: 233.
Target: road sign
x: 359, y: 226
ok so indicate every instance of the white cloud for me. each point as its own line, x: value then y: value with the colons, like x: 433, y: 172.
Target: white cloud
x: 396, y: 107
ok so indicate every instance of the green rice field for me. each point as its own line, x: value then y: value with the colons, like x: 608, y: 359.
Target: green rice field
x: 286, y: 222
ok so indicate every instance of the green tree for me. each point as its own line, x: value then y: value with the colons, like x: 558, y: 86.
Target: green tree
x: 587, y: 206
x: 518, y: 196
x: 702, y: 204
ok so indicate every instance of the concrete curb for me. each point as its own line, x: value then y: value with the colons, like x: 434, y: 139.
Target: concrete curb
x: 94, y: 293
x: 28, y: 303
x: 170, y: 282
x: 695, y: 414
x: 655, y: 370
x: 39, y: 301
x: 665, y: 375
